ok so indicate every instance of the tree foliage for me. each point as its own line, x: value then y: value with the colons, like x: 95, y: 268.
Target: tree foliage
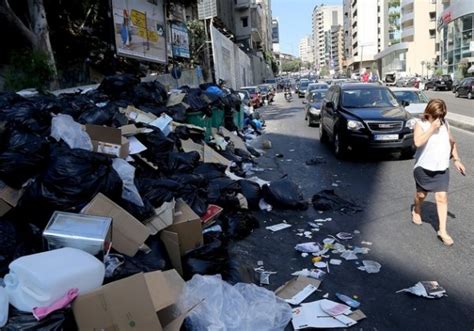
x: 291, y: 66
x: 324, y: 71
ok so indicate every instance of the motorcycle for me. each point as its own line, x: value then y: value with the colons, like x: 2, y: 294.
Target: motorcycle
x: 288, y: 96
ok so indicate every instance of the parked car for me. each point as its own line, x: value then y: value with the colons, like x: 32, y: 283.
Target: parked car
x: 465, y: 88
x: 413, y: 82
x: 437, y: 83
x: 302, y: 87
x: 365, y: 116
x: 245, y: 97
x: 456, y: 83
x: 417, y: 99
x: 315, y: 86
x: 313, y: 106
x: 255, y: 96
x: 266, y: 91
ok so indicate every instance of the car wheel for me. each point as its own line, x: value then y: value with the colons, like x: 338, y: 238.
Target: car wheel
x: 435, y: 88
x: 408, y: 153
x: 469, y: 95
x: 340, y: 147
x: 323, y: 136
x: 456, y: 94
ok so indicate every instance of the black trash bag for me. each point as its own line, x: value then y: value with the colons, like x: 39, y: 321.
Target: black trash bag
x: 47, y: 103
x: 195, y: 102
x: 23, y: 157
x: 191, y: 179
x: 229, y: 155
x: 57, y: 321
x: 118, y: 86
x: 157, y: 191
x: 150, y: 92
x: 97, y: 116
x: 156, y: 110
x: 210, y: 259
x: 141, y: 213
x: 178, y: 113
x: 253, y: 151
x: 182, y: 132
x: 156, y: 259
x: 210, y: 170
x: 182, y: 161
x: 73, y: 177
x: 75, y: 104
x: 223, y: 192
x: 27, y: 116
x: 328, y: 200
x: 96, y: 96
x: 158, y: 147
x: 284, y: 194
x: 8, y: 99
x: 8, y: 243
x: 246, y: 156
x: 195, y: 197
x: 252, y: 192
x: 238, y: 225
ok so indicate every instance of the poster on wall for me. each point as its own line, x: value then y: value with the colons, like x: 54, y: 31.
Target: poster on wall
x: 179, y: 40
x: 139, y: 29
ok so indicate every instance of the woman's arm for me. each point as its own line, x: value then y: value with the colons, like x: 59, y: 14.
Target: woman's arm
x: 421, y: 137
x: 455, y: 154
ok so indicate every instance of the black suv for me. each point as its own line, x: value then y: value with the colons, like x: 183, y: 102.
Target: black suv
x: 439, y: 83
x: 365, y: 116
x: 465, y: 88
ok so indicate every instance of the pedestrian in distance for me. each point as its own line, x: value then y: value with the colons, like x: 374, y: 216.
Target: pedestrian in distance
x: 435, y: 147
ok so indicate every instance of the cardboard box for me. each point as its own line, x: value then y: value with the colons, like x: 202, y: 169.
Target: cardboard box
x: 206, y: 153
x: 129, y: 234
x: 8, y: 197
x: 184, y: 235
x: 137, y: 115
x: 131, y: 130
x: 298, y: 289
x: 108, y: 140
x: 163, y: 217
x: 139, y: 302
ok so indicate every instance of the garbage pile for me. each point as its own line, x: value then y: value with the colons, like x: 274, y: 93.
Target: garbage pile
x: 153, y: 185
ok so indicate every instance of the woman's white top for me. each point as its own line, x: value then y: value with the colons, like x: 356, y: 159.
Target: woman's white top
x: 434, y: 155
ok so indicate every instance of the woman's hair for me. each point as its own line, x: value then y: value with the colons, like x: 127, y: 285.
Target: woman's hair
x: 436, y: 108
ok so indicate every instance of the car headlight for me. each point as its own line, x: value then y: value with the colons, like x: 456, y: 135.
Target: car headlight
x: 354, y: 125
x: 411, y: 123
x: 314, y: 111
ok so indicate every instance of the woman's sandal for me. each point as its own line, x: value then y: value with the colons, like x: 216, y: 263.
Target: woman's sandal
x: 446, y: 239
x: 417, y: 222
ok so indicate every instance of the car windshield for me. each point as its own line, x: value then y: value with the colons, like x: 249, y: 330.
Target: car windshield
x: 304, y: 84
x: 312, y: 87
x: 411, y: 96
x: 368, y: 98
x: 318, y: 95
x: 263, y: 88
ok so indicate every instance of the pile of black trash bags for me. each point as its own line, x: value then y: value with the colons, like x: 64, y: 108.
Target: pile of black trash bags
x: 54, y: 177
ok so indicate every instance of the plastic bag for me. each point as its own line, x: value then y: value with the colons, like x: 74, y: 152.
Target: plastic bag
x: 150, y: 92
x: 183, y: 162
x: 23, y: 158
x: 283, y: 193
x: 118, y: 86
x: 127, y: 174
x: 27, y: 116
x: 328, y: 200
x: 65, y: 128
x: 243, y: 307
x: 239, y: 225
x: 252, y: 192
x: 57, y: 321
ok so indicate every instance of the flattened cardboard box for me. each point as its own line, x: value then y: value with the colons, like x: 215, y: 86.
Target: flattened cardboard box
x: 8, y: 198
x: 162, y: 219
x: 132, y: 304
x: 129, y: 234
x: 107, y: 140
x: 184, y: 235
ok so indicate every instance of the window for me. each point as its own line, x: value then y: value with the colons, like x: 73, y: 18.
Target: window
x: 432, y: 33
x: 432, y: 16
x: 245, y: 21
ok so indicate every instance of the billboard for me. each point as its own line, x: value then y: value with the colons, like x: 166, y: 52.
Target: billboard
x: 179, y: 40
x: 139, y: 29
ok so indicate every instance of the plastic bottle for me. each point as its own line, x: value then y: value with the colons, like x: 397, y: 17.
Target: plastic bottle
x: 40, y: 279
x: 3, y: 307
x: 347, y: 300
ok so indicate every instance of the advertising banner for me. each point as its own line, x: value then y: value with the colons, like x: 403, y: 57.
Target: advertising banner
x: 139, y: 27
x: 179, y: 40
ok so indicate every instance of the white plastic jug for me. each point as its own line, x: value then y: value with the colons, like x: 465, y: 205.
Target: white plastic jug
x: 39, y: 280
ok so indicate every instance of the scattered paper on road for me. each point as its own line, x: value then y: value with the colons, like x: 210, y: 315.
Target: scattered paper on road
x: 278, y: 227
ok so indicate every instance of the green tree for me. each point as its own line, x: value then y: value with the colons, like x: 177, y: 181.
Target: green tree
x: 291, y: 66
x: 324, y: 71
x: 438, y: 72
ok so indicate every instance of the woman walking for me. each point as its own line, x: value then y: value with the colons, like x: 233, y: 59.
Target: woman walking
x: 435, y: 146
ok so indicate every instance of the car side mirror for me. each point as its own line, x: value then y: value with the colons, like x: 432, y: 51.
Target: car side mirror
x: 330, y: 104
x: 405, y: 103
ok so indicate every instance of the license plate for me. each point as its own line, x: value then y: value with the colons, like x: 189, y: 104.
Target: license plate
x: 442, y: 83
x: 385, y: 137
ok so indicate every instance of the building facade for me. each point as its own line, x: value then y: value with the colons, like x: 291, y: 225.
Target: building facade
x: 324, y: 17
x: 455, y: 28
x: 306, y: 49
x: 335, y: 56
x: 417, y: 46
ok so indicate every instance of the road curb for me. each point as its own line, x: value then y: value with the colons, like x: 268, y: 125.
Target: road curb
x: 461, y: 125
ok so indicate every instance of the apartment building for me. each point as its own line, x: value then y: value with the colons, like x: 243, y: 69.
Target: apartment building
x: 336, y: 55
x: 306, y: 49
x: 366, y: 31
x: 324, y: 17
x: 418, y: 40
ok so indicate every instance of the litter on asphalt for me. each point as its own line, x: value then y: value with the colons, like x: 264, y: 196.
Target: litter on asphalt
x: 371, y: 267
x: 428, y: 289
x: 278, y: 227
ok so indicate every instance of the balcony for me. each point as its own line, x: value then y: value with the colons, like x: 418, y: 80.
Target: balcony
x: 406, y: 33
x: 243, y: 4
x: 405, y: 3
x: 407, y: 16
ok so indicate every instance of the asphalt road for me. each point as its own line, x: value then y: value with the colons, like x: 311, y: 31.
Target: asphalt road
x: 461, y: 106
x: 383, y: 185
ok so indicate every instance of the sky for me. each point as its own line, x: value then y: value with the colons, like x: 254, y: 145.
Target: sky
x: 295, y: 20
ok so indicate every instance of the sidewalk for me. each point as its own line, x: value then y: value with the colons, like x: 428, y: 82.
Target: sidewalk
x: 461, y: 121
